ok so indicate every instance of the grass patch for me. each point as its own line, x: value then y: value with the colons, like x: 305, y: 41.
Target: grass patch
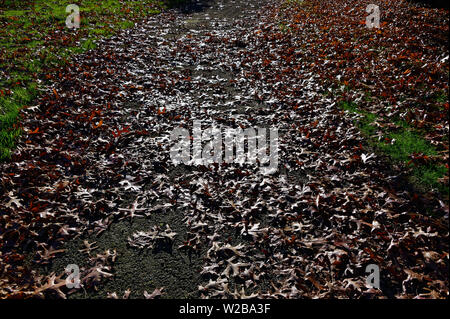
x: 365, y: 123
x: 10, y: 107
x: 126, y: 24
x: 441, y: 97
x: 402, y: 145
x: 88, y: 44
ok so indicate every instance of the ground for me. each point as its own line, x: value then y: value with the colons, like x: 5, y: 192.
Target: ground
x: 93, y: 166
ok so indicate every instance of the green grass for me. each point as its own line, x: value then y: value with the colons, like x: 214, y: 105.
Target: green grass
x: 400, y: 145
x: 10, y: 107
x: 88, y: 44
x: 350, y: 107
x: 126, y: 24
x: 365, y: 123
x: 35, y: 41
x: 406, y: 143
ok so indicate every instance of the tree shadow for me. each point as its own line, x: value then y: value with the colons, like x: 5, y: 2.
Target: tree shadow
x: 163, y: 246
x: 190, y: 6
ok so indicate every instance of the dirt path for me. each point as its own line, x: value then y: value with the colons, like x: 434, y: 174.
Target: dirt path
x: 101, y: 154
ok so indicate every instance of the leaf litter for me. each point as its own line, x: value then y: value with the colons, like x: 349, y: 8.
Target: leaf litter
x: 98, y: 151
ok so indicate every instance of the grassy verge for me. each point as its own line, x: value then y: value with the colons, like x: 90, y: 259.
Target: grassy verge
x: 35, y: 41
x: 404, y: 145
